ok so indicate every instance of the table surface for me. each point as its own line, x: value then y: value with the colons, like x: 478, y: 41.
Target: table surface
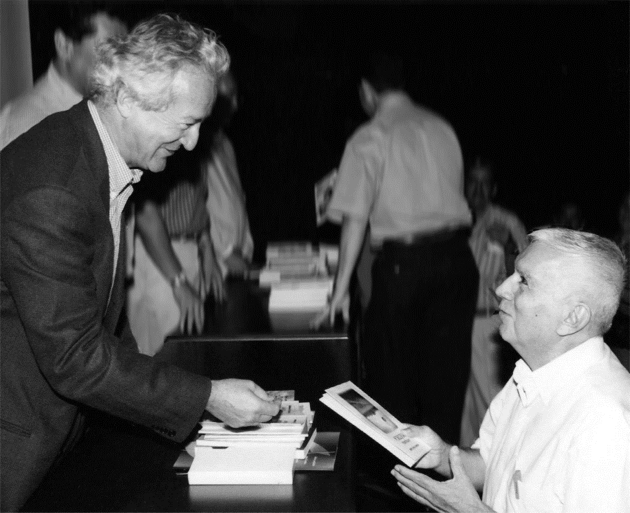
x: 121, y: 467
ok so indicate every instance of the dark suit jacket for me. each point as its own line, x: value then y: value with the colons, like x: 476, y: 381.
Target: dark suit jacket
x: 60, y: 346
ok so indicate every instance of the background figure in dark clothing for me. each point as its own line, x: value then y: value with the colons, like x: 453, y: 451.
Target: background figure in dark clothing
x: 402, y: 174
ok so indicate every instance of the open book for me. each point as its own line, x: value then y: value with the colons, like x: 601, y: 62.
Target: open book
x: 358, y: 408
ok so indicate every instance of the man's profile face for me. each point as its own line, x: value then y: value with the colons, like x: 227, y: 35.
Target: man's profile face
x: 533, y: 300
x: 83, y: 56
x: 153, y: 136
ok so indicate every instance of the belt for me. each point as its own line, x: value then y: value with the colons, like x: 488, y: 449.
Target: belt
x: 428, y: 238
x: 193, y: 237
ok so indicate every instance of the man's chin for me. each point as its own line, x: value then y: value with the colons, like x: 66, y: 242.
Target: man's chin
x: 157, y: 166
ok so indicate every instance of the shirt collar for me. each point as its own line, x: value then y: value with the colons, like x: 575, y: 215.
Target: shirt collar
x: 119, y: 173
x: 550, y: 378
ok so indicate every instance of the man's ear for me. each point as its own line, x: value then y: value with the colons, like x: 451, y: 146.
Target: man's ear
x: 125, y: 103
x: 577, y: 319
x: 64, y: 46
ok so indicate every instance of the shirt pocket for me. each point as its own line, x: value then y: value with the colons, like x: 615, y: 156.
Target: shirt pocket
x: 532, y: 498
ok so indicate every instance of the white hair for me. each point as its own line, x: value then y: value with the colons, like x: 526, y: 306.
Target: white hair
x: 604, y: 261
x: 145, y: 62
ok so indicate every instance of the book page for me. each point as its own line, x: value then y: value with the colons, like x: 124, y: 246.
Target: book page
x: 365, y: 413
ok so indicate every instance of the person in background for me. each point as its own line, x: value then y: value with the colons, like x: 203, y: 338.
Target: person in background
x: 402, y: 174
x: 569, y: 215
x: 82, y: 26
x: 497, y: 236
x: 229, y: 225
x: 557, y: 437
x: 174, y: 267
x: 64, y: 344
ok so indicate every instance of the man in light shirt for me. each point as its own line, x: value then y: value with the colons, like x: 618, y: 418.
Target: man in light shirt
x: 402, y: 174
x: 64, y: 343
x: 557, y: 437
x: 82, y: 26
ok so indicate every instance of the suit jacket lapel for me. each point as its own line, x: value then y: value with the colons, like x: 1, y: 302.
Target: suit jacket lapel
x: 117, y: 294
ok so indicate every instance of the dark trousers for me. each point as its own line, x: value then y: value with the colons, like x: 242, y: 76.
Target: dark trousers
x: 418, y: 331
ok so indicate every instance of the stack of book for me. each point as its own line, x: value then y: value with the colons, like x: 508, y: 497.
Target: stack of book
x: 262, y: 454
x: 289, y: 261
x: 299, y: 295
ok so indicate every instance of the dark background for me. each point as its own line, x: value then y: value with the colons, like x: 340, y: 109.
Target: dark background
x: 540, y: 88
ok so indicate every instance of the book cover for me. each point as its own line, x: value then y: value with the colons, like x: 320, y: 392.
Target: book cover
x: 358, y: 408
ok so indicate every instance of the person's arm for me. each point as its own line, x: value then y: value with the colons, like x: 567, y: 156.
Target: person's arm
x: 211, y: 279
x: 352, y: 233
x: 464, y: 468
x: 154, y: 235
x: 58, y: 271
x: 239, y: 403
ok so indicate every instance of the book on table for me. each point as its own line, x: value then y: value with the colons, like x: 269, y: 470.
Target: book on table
x: 260, y: 454
x: 246, y: 464
x: 358, y: 408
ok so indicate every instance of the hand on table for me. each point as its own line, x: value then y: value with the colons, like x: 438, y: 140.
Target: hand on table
x: 239, y: 402
x: 455, y: 495
x: 337, y: 304
x: 210, y: 278
x: 191, y: 308
x: 236, y: 264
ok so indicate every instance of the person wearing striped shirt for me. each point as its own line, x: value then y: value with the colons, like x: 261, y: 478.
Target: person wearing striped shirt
x: 496, y: 236
x: 174, y: 264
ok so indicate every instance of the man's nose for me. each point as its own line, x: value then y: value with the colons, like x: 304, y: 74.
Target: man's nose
x: 505, y: 290
x: 190, y: 137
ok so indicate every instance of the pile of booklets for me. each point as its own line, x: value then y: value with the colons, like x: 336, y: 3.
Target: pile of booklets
x: 297, y: 261
x: 300, y: 279
x: 262, y: 454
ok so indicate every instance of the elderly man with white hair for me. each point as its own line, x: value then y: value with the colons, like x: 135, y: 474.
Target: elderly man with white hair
x: 64, y: 343
x: 557, y: 437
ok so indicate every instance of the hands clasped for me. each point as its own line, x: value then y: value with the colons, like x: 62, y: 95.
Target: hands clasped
x: 454, y: 495
x: 239, y: 402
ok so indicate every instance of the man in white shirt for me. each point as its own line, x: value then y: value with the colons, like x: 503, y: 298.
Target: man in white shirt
x: 82, y: 26
x: 557, y: 437
x: 401, y: 177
